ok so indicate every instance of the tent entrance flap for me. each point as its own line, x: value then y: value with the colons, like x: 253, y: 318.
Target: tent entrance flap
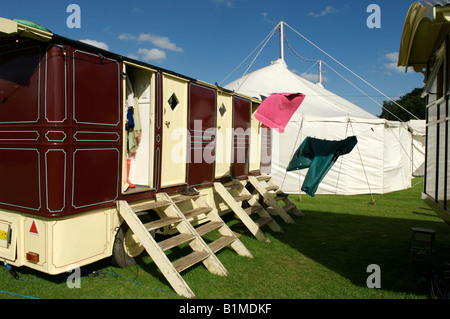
x: 319, y: 156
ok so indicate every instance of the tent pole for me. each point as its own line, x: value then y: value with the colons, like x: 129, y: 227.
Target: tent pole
x: 320, y: 71
x: 281, y: 40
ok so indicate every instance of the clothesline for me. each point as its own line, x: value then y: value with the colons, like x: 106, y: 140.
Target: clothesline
x: 318, y: 156
x: 355, y: 136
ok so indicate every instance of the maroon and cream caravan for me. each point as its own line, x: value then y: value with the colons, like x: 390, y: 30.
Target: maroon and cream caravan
x: 98, y: 152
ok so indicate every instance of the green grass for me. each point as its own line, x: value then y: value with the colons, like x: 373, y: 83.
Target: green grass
x: 324, y: 255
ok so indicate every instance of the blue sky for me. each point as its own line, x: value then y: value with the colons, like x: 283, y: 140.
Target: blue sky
x: 208, y: 39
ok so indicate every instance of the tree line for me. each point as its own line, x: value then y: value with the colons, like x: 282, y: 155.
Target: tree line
x: 412, y: 101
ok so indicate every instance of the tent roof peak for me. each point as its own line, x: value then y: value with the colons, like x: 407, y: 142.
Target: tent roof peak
x: 279, y: 61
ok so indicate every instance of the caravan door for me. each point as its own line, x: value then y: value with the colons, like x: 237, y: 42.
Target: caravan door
x: 138, y: 113
x: 202, y: 133
x: 241, y: 136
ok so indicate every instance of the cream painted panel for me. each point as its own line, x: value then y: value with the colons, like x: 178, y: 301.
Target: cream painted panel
x: 224, y: 135
x: 173, y: 163
x: 80, y: 240
x: 9, y: 223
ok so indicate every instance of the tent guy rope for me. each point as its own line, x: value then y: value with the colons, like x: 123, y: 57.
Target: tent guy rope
x: 364, y: 168
x: 347, y: 80
x: 266, y: 39
x: 359, y: 77
x: 280, y: 26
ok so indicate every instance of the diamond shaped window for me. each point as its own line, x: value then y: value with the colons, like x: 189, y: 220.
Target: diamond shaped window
x: 173, y: 101
x: 222, y: 109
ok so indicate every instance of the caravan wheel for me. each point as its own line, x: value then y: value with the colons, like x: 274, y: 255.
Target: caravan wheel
x: 127, y: 249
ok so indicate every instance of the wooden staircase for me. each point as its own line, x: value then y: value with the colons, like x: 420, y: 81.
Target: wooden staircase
x: 266, y: 187
x: 177, y: 213
x: 234, y: 193
x: 201, y: 210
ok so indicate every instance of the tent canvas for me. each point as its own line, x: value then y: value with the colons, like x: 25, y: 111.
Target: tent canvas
x: 382, y: 160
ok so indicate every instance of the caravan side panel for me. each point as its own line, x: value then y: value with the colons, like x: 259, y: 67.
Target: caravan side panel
x: 21, y: 79
x: 96, y: 131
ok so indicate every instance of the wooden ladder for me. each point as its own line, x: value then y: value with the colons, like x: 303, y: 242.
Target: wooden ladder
x: 171, y: 216
x: 268, y: 190
x: 197, y: 211
x: 233, y: 194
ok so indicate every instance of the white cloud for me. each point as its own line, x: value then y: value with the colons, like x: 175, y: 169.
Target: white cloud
x: 152, y: 54
x: 98, y: 44
x: 133, y: 56
x: 393, y: 56
x: 392, y: 59
x: 159, y: 41
x: 228, y: 3
x: 313, y: 77
x: 326, y: 11
x: 266, y: 18
x: 126, y: 37
x: 137, y: 10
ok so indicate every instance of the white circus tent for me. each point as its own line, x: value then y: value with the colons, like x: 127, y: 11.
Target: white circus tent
x: 385, y: 158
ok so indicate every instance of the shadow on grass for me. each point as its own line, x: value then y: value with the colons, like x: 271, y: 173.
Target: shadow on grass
x: 348, y: 243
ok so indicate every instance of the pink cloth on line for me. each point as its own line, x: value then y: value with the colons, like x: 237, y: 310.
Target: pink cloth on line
x: 277, y: 109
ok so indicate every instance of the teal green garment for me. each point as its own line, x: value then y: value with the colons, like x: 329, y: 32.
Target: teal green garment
x: 319, y: 156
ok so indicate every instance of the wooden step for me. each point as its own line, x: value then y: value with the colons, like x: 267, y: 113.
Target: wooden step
x: 175, y: 241
x: 263, y: 178
x: 278, y: 198
x: 288, y: 207
x: 196, y: 211
x: 148, y: 206
x: 141, y: 213
x: 272, y: 188
x: 151, y: 246
x: 233, y: 186
x: 263, y: 221
x: 190, y: 260
x: 220, y: 243
x: 208, y: 227
x: 241, y: 198
x: 235, y: 205
x: 252, y: 209
x: 270, y: 200
x: 183, y: 198
x: 162, y: 223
